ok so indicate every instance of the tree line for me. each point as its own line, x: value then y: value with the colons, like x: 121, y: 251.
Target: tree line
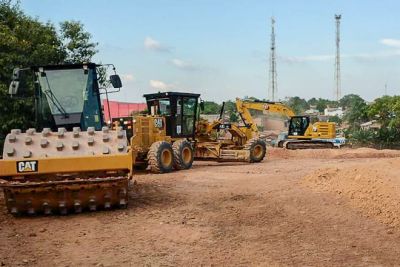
x: 24, y: 42
x: 384, y: 110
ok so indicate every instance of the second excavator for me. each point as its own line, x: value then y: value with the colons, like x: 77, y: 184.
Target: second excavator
x: 302, y: 133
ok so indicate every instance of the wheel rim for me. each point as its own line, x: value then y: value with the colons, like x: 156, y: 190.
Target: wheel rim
x: 258, y: 151
x: 186, y: 155
x: 166, y: 157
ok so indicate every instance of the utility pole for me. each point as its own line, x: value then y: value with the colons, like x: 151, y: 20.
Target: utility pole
x: 338, y: 88
x: 272, y: 88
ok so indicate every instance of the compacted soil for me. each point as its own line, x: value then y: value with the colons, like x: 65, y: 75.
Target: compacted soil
x: 303, y: 208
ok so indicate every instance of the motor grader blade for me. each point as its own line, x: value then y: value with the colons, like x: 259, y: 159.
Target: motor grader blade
x: 62, y: 172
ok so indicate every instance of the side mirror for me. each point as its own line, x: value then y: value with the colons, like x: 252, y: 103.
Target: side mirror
x: 13, y: 89
x: 202, y: 105
x: 115, y: 81
x: 16, y: 74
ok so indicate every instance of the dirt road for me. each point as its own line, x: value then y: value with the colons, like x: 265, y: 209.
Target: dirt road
x: 334, y: 207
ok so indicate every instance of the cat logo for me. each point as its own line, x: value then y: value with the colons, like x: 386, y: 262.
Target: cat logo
x: 158, y: 122
x: 27, y: 166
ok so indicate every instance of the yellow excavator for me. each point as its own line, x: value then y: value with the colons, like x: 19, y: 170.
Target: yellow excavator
x: 302, y: 133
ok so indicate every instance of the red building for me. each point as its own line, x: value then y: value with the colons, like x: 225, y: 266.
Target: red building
x: 121, y: 109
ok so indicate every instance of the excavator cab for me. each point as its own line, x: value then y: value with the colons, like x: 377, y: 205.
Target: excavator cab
x: 298, y: 125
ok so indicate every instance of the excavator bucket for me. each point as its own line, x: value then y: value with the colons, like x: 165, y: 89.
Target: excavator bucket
x: 65, y: 171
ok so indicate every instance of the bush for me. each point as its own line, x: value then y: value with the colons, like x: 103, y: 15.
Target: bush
x: 384, y: 138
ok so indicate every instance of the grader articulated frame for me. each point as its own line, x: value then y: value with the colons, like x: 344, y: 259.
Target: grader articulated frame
x: 244, y: 143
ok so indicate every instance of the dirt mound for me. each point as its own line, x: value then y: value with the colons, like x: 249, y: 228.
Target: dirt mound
x: 371, y: 187
x: 344, y: 153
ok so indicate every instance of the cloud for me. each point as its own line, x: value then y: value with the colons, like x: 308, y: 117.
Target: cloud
x: 154, y: 45
x: 184, y: 65
x: 391, y: 42
x: 358, y: 57
x: 128, y: 77
x: 160, y: 85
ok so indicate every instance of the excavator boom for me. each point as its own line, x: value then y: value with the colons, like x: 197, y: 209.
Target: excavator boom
x: 243, y: 107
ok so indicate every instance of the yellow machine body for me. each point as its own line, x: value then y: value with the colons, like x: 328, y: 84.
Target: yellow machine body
x: 59, y: 172
x: 147, y: 130
x: 318, y: 130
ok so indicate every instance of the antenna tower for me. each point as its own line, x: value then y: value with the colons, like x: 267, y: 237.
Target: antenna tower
x: 272, y: 88
x: 338, y: 81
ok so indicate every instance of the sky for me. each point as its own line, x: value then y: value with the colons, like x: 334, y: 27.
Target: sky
x: 220, y: 48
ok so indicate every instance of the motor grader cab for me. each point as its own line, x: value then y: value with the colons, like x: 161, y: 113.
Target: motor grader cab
x: 164, y: 138
x: 70, y: 161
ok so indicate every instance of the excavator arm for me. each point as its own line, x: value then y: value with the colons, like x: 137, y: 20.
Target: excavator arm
x: 244, y: 106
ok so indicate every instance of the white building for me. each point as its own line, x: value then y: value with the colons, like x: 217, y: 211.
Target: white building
x: 334, y: 112
x: 312, y: 111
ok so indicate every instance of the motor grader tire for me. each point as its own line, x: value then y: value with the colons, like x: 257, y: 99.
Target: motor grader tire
x: 160, y: 157
x: 183, y: 154
x: 257, y: 149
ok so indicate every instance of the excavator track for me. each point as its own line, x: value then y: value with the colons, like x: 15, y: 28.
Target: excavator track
x: 307, y: 144
x: 65, y: 172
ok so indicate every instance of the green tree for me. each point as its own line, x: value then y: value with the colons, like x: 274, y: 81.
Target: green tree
x: 356, y: 110
x: 211, y: 107
x: 336, y: 119
x: 77, y: 42
x: 350, y: 100
x: 321, y: 103
x: 297, y: 104
x: 24, y: 42
x: 230, y: 109
x: 386, y: 110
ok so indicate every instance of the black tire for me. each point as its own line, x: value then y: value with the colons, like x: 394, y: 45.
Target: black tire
x: 141, y: 166
x: 183, y: 154
x: 257, y: 148
x: 160, y: 157
x: 280, y: 143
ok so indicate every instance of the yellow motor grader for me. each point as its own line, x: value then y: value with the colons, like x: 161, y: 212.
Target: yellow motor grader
x: 164, y: 138
x: 172, y: 118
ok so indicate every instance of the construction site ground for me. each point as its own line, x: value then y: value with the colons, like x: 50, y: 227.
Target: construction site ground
x: 306, y: 208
